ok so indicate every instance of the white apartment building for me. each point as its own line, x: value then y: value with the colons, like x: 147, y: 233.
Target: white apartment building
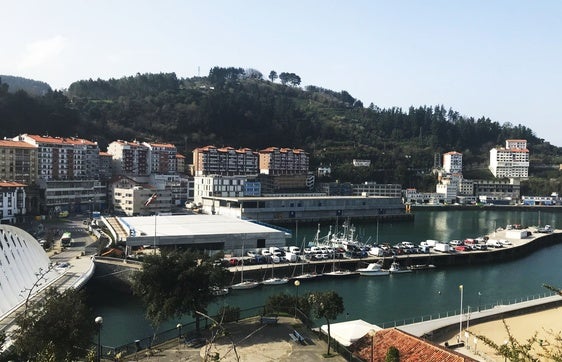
x: 449, y: 188
x: 12, y: 201
x: 210, y: 160
x: 162, y: 158
x: 452, y: 162
x: 511, y: 161
x: 60, y: 158
x: 129, y: 158
x: 132, y: 201
x: 218, y: 186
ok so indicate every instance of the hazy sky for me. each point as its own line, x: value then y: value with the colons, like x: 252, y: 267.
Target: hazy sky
x: 499, y: 59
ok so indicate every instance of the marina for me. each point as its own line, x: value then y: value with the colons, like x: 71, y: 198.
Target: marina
x: 387, y: 300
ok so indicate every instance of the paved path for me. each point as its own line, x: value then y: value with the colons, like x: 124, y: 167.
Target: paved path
x: 254, y: 342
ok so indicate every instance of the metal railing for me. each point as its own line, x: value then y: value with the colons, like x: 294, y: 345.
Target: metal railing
x: 186, y: 331
x: 468, y: 309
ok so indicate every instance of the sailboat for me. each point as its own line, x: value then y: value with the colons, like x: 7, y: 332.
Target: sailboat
x: 273, y: 280
x: 304, y: 275
x: 339, y: 272
x: 244, y: 284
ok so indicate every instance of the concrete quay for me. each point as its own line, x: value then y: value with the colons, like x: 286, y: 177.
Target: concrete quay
x: 518, y: 248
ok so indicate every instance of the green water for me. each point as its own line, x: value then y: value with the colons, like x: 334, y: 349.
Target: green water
x: 384, y: 299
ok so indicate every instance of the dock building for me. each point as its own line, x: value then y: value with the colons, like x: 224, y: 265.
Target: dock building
x: 203, y: 232
x: 287, y: 209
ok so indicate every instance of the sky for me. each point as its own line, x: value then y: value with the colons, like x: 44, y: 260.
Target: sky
x: 492, y: 58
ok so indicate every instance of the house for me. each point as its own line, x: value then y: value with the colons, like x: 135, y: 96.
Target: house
x: 374, y: 346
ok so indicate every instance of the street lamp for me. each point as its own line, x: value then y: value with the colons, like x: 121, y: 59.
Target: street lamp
x: 460, y: 314
x: 479, y: 296
x: 99, y: 322
x: 297, y: 283
x: 178, y: 326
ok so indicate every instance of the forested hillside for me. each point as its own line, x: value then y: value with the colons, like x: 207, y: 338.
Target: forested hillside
x: 240, y: 108
x: 30, y: 86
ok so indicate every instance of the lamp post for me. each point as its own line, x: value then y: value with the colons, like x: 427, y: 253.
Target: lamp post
x: 297, y: 284
x: 479, y: 296
x: 460, y: 314
x: 178, y: 326
x: 99, y: 323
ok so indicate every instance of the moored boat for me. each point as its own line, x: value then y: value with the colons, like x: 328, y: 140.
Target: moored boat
x: 395, y: 268
x: 275, y: 281
x: 373, y: 269
x: 245, y: 284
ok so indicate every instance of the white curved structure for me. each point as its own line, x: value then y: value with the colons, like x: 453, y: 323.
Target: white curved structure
x: 22, y: 262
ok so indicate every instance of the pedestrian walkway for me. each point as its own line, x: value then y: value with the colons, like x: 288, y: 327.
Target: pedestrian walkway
x: 251, y: 341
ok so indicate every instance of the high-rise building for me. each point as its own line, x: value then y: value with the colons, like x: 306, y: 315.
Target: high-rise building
x: 162, y: 158
x: 18, y: 162
x: 60, y: 158
x: 129, y: 158
x: 283, y: 161
x: 511, y: 161
x: 225, y: 161
x: 452, y: 162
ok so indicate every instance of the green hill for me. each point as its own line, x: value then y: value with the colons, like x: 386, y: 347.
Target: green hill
x: 240, y: 108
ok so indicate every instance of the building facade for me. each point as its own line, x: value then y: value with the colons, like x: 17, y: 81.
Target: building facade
x: 162, y: 158
x: 12, y: 201
x: 305, y: 208
x: 376, y: 189
x: 132, y: 201
x: 277, y: 161
x: 60, y: 158
x: 129, y: 158
x: 18, y: 162
x: 218, y: 186
x: 511, y: 161
x: 452, y: 162
x: 225, y: 161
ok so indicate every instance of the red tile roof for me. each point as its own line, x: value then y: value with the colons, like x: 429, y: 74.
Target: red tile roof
x: 16, y: 144
x: 373, y: 347
x: 11, y: 184
x: 61, y: 140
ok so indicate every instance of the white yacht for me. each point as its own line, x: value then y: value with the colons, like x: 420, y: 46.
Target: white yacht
x: 373, y: 269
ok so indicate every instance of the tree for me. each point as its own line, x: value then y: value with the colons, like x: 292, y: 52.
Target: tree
x: 59, y: 327
x: 392, y: 355
x: 175, y: 283
x: 326, y: 305
x: 273, y: 76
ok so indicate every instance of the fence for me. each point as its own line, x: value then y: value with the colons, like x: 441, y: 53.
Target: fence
x: 186, y: 331
x: 469, y: 309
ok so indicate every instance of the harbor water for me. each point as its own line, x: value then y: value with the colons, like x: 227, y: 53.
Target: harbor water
x: 382, y: 300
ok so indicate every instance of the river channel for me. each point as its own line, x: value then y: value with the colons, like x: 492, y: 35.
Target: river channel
x: 380, y: 300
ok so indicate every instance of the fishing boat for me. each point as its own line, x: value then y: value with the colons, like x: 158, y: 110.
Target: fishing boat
x: 373, y: 269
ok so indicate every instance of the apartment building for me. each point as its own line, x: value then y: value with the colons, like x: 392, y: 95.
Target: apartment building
x: 276, y: 161
x: 182, y: 164
x: 18, y: 162
x: 106, y: 166
x: 452, y: 162
x: 511, y: 161
x: 133, y: 201
x: 129, y: 158
x: 218, y: 186
x: 226, y: 161
x: 60, y: 158
x: 162, y: 158
x: 12, y: 201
